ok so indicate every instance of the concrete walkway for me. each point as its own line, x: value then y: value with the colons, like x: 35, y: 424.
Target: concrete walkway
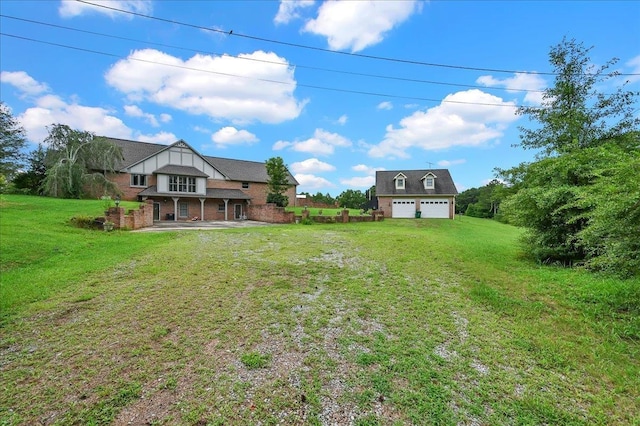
x: 170, y: 225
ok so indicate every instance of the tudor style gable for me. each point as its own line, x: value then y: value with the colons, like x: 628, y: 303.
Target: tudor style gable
x: 165, y: 161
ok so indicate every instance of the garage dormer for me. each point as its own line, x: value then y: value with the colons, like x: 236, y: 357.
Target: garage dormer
x: 429, y: 181
x: 401, y: 181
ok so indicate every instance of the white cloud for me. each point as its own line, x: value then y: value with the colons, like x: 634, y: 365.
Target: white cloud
x: 221, y: 87
x: 164, y: 138
x: 232, y: 136
x: 311, y: 165
x: 72, y: 8
x: 135, y: 111
x: 51, y: 109
x: 385, y: 105
x: 457, y: 121
x: 165, y: 118
x: 359, y: 181
x: 449, y: 163
x: 201, y: 129
x: 289, y: 9
x: 634, y: 65
x: 308, y: 181
x: 356, y: 25
x: 343, y: 120
x: 322, y: 143
x: 520, y: 81
x: 279, y: 145
x: 371, y: 171
x: 23, y: 82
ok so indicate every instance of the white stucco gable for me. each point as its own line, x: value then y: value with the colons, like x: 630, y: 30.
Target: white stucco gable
x: 179, y: 153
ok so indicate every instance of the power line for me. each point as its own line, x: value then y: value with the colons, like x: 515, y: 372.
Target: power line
x: 411, y: 80
x: 385, y: 95
x: 338, y: 52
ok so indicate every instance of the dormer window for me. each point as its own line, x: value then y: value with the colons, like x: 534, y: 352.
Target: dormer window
x: 429, y: 181
x: 400, y: 180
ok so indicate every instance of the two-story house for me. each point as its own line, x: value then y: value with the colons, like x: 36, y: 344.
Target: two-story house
x: 186, y: 185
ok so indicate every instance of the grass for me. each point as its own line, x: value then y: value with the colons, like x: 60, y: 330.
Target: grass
x: 394, y: 322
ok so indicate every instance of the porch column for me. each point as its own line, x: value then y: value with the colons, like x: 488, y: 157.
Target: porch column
x: 202, y: 208
x: 175, y: 208
x: 226, y: 204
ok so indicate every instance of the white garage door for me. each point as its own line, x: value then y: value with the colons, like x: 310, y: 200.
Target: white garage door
x: 435, y: 208
x: 403, y: 208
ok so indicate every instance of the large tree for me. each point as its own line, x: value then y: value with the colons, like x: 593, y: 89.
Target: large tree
x: 351, y: 199
x: 77, y: 160
x: 12, y: 141
x: 575, y: 122
x: 278, y: 182
x: 30, y: 181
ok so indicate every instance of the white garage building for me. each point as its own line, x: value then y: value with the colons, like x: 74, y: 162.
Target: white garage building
x: 416, y: 193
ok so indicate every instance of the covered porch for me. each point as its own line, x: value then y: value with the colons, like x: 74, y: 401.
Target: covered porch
x: 216, y: 205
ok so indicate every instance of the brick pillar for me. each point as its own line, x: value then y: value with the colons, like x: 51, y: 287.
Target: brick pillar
x: 345, y: 216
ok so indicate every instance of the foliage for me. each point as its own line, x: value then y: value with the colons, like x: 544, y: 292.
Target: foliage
x: 12, y: 141
x: 30, y: 182
x: 76, y: 159
x: 82, y: 221
x: 611, y: 236
x: 320, y: 198
x: 481, y: 202
x: 278, y: 182
x: 351, y: 199
x: 576, y: 126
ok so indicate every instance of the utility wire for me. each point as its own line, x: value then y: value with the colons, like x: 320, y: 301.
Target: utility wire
x: 385, y: 95
x: 338, y: 52
x: 411, y: 80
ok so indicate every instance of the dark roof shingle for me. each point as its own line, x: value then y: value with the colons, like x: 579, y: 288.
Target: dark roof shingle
x: 385, y: 185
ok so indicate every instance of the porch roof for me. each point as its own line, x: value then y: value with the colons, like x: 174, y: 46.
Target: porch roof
x: 213, y: 193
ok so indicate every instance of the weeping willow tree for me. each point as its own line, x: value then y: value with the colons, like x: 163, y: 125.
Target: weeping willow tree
x: 78, y: 160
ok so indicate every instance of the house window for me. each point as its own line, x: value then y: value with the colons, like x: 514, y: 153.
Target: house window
x: 183, y: 209
x: 400, y: 183
x: 182, y: 184
x: 221, y: 207
x: 245, y: 185
x: 428, y: 183
x: 138, y: 180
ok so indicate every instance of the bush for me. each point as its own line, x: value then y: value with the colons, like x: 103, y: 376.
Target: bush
x: 86, y: 222
x: 306, y: 221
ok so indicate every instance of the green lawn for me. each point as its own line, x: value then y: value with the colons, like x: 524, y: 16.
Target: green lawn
x: 393, y: 322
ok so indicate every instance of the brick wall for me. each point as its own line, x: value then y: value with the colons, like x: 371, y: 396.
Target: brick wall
x: 133, y: 219
x: 269, y: 213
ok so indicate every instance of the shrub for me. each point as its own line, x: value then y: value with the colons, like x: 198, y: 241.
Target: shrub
x: 86, y: 222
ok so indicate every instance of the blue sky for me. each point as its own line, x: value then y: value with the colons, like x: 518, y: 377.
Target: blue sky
x: 337, y: 89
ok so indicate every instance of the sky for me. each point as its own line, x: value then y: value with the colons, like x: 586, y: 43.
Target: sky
x: 338, y: 89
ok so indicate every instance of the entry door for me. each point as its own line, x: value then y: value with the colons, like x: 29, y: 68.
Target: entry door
x: 237, y: 211
x: 156, y: 211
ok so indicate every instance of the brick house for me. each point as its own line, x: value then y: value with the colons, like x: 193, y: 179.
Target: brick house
x: 416, y: 193
x: 186, y: 185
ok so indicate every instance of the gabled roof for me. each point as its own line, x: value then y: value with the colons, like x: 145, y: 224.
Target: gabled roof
x: 242, y: 170
x: 237, y: 170
x: 414, y: 184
